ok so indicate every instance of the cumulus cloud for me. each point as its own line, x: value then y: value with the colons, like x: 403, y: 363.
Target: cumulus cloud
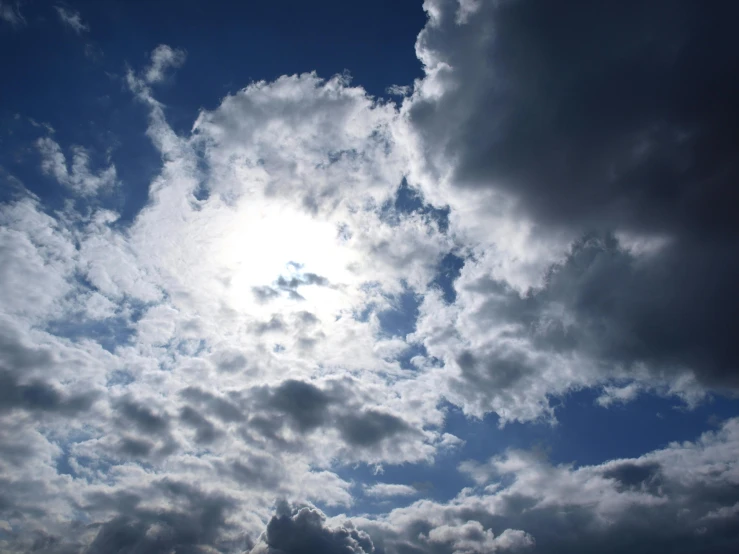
x: 522, y: 502
x: 592, y: 196
x: 165, y: 380
x: 142, y: 352
x: 680, y: 498
x: 303, y: 530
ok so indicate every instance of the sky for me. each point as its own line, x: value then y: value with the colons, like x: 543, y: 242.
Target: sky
x: 439, y: 277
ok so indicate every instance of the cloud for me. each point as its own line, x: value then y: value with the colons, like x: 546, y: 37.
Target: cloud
x: 244, y: 303
x: 149, y: 341
x: 678, y: 498
x: 37, y: 396
x: 11, y: 14
x: 303, y: 530
x: 79, y: 177
x: 163, y: 58
x: 384, y: 490
x: 663, y: 500
x: 72, y: 19
x: 471, y: 537
x: 590, y: 193
x: 370, y: 428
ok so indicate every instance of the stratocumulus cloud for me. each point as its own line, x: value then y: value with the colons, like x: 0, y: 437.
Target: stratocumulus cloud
x: 297, y: 338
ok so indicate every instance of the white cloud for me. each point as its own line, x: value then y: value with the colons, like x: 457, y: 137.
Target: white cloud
x: 384, y: 490
x: 79, y: 177
x: 72, y: 19
x: 612, y: 394
x: 280, y: 189
x: 471, y: 537
x: 230, y: 336
x: 163, y: 58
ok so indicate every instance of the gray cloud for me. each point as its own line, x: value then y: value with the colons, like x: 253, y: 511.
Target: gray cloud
x: 195, y: 527
x: 306, y: 405
x: 371, y: 427
x: 142, y: 417
x: 296, y: 530
x: 37, y: 396
x: 620, y: 119
x: 594, y: 117
x: 222, y: 408
x: 205, y: 431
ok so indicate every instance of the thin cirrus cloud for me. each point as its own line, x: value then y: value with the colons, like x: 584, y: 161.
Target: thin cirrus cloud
x: 71, y: 19
x: 216, y: 374
x: 10, y: 13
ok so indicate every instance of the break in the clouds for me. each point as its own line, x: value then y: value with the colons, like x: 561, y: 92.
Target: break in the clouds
x: 297, y: 317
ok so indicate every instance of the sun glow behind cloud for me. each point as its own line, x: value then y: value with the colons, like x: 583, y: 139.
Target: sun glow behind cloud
x: 265, y: 241
x: 373, y: 306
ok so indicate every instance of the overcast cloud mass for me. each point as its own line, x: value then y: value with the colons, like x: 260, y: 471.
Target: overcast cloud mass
x: 487, y: 308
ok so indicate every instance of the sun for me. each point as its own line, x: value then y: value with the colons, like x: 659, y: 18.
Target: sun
x: 265, y: 240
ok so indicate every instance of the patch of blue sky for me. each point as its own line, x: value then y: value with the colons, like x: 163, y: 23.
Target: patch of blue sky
x: 586, y: 434
x: 109, y: 333
x: 590, y: 434
x: 449, y: 270
x: 400, y: 319
x: 409, y: 201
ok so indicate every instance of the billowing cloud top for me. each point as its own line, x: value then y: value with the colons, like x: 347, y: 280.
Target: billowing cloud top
x: 325, y: 292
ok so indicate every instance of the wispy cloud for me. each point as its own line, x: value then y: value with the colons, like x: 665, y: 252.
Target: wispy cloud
x: 163, y: 58
x: 386, y: 490
x: 72, y: 19
x: 10, y: 13
x: 78, y: 177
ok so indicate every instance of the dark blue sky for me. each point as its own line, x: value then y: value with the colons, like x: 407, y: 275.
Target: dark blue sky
x: 74, y: 83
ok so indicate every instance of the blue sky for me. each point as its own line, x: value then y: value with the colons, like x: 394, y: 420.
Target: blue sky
x: 453, y: 276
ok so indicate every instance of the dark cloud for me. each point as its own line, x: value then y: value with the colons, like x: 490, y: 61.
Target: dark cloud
x: 142, y: 417
x: 290, y: 286
x: 135, y: 448
x: 305, y: 407
x: 198, y: 526
x: 296, y: 530
x: 146, y: 433
x: 37, y: 396
x: 225, y: 410
x: 622, y: 312
x: 673, y: 312
x: 606, y: 119
x: 370, y: 427
x: 205, y: 431
x: 304, y: 404
x: 645, y: 476
x: 493, y: 372
x: 589, y: 114
x: 18, y: 357
x: 259, y: 472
